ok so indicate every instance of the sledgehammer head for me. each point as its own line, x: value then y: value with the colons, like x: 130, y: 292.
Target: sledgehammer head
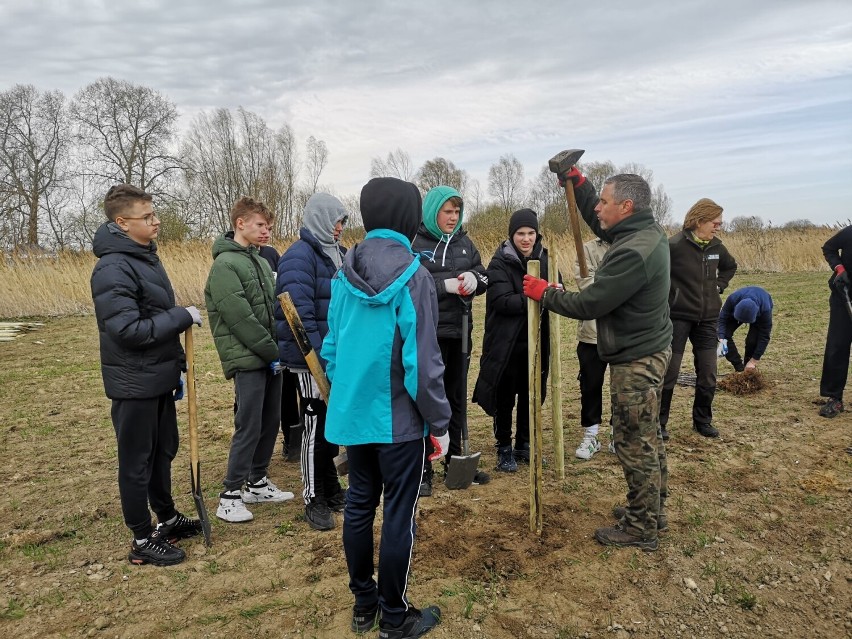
x: 564, y: 160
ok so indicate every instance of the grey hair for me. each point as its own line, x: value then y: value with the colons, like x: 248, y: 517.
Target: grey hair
x: 629, y: 186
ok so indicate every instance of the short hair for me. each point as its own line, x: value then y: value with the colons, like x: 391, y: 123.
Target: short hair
x: 455, y: 200
x: 629, y: 186
x: 120, y: 197
x: 246, y: 207
x: 702, y: 211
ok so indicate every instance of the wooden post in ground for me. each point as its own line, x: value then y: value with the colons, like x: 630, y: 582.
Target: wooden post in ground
x: 556, y: 374
x: 534, y: 368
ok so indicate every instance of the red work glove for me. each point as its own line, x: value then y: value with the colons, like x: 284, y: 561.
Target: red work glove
x: 440, y: 444
x: 534, y: 287
x: 574, y: 175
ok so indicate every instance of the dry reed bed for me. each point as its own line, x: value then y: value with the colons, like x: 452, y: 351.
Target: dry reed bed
x: 50, y: 286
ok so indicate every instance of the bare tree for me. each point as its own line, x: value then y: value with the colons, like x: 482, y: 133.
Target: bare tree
x: 34, y: 141
x: 397, y: 164
x: 230, y: 155
x: 315, y: 161
x: 505, y: 181
x: 661, y: 203
x: 440, y: 171
x: 597, y: 172
x: 126, y: 131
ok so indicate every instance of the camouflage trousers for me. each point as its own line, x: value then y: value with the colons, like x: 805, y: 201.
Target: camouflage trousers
x: 636, y: 388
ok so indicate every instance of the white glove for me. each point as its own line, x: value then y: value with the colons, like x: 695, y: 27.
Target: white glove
x: 440, y: 444
x: 452, y: 286
x: 722, y: 349
x: 195, y: 313
x: 468, y: 283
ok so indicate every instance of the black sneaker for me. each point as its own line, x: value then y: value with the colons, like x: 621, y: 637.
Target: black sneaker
x: 426, y: 487
x: 662, y: 520
x: 832, y: 408
x: 480, y: 477
x: 155, y: 550
x: 337, y: 502
x: 416, y: 624
x: 365, y: 619
x: 706, y: 430
x: 522, y: 453
x: 319, y: 516
x: 181, y: 528
x: 664, y: 433
x: 506, y: 462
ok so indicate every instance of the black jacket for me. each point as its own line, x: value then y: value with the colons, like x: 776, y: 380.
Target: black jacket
x: 506, y: 321
x: 138, y: 323
x: 699, y: 275
x: 838, y: 250
x: 447, y: 261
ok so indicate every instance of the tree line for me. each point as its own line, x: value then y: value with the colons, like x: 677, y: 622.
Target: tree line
x: 58, y: 156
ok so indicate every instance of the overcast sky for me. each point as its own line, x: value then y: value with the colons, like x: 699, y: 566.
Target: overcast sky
x: 748, y: 102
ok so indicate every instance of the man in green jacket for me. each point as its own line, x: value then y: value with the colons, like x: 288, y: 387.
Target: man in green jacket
x: 240, y: 294
x: 629, y: 300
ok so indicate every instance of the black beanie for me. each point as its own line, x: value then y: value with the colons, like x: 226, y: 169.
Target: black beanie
x: 524, y: 217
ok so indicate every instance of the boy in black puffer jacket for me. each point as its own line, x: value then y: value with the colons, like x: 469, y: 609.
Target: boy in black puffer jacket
x: 141, y: 363
x: 454, y: 263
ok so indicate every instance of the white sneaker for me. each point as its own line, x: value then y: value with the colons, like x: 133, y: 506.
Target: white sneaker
x: 264, y: 492
x: 612, y: 448
x: 588, y: 447
x: 233, y: 510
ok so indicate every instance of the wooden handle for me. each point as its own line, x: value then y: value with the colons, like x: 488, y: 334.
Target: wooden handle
x: 295, y: 322
x: 574, y: 216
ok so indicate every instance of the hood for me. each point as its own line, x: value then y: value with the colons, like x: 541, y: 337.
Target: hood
x: 641, y: 218
x: 322, y: 213
x: 110, y: 238
x: 227, y: 244
x: 510, y: 253
x: 375, y: 270
x: 390, y: 203
x: 432, y: 203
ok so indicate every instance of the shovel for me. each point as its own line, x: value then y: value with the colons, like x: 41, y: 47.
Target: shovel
x: 194, y: 463
x: 462, y: 468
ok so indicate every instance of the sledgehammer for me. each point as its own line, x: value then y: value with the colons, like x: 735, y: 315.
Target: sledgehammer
x: 560, y: 164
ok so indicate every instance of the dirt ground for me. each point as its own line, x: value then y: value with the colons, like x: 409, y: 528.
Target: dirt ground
x: 759, y: 540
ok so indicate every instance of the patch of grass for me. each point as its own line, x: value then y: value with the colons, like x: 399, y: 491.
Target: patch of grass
x: 256, y: 611
x: 710, y: 569
x: 746, y: 600
x: 212, y: 567
x: 211, y: 619
x: 14, y: 610
x: 720, y: 586
x: 284, y: 528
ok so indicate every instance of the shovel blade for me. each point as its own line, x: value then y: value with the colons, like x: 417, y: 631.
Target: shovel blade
x: 461, y: 471
x: 198, y: 498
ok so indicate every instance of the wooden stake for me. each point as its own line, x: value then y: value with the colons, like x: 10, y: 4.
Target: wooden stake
x: 534, y: 368
x: 556, y: 374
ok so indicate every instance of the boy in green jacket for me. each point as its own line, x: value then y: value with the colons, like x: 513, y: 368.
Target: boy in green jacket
x: 240, y: 294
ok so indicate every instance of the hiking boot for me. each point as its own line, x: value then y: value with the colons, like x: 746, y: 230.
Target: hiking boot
x: 232, y: 509
x: 365, y: 619
x: 832, y: 408
x: 337, y: 502
x: 588, y: 447
x: 664, y: 433
x: 155, y: 550
x: 506, y: 462
x: 425, y: 487
x: 416, y: 624
x: 264, y: 492
x: 319, y: 516
x: 705, y: 430
x: 522, y: 453
x: 662, y: 521
x: 617, y: 536
x: 181, y: 528
x: 480, y: 477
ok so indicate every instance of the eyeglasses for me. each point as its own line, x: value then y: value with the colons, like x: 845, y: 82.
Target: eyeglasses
x: 149, y: 219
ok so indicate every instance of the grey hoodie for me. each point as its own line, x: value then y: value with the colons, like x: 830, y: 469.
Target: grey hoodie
x: 322, y: 213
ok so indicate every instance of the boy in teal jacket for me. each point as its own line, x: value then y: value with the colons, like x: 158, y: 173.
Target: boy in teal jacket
x: 387, y: 395
x: 240, y: 294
